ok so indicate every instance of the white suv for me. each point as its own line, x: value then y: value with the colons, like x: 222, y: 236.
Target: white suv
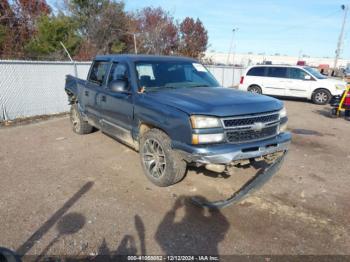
x: 291, y: 81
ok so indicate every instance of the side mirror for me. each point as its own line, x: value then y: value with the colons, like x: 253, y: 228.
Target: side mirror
x: 118, y: 86
x: 307, y: 77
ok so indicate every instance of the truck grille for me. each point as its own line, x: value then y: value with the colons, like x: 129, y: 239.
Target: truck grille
x: 232, y: 122
x: 251, y: 135
x: 251, y: 128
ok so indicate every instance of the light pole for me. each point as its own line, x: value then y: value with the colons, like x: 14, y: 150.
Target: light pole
x: 134, y: 37
x: 231, y: 44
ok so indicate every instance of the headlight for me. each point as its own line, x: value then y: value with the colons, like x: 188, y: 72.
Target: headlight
x: 205, y: 122
x: 283, y: 117
x: 340, y: 87
x: 283, y: 112
x: 207, y: 138
x: 283, y: 127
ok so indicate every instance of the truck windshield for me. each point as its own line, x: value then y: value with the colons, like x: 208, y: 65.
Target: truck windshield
x: 156, y: 75
x: 314, y: 72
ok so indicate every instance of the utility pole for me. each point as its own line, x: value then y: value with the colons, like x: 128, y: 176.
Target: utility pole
x: 135, y: 45
x: 341, y: 36
x: 299, y: 55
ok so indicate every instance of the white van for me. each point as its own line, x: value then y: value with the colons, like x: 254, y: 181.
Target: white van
x: 291, y: 81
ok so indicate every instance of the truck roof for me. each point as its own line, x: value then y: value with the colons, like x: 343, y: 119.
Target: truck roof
x: 135, y: 58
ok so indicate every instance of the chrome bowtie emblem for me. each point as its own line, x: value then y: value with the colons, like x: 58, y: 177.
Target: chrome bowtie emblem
x: 258, y: 126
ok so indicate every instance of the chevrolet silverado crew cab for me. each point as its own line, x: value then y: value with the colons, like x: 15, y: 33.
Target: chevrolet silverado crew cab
x: 173, y: 112
x: 291, y: 81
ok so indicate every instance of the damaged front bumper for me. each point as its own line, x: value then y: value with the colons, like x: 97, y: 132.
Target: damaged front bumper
x: 229, y: 153
x: 252, y: 185
x: 273, y: 150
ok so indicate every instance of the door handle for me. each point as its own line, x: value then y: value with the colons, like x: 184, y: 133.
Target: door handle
x: 103, y: 99
x: 86, y: 93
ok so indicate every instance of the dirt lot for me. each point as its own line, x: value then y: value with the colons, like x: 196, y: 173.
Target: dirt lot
x: 61, y: 193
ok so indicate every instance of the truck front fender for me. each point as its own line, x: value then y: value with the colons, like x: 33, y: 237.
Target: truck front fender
x: 171, y: 121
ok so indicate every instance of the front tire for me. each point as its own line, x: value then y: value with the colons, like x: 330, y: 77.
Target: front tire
x: 161, y: 164
x: 79, y: 125
x: 321, y: 97
x: 255, y: 89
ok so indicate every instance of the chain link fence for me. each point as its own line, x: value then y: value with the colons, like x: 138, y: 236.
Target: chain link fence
x: 32, y: 88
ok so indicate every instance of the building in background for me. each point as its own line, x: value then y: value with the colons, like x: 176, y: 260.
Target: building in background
x: 245, y: 60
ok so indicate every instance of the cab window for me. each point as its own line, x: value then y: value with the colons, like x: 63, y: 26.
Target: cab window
x: 119, y: 71
x: 98, y: 72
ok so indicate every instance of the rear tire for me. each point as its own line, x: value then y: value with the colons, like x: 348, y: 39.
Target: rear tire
x: 255, y: 89
x: 80, y: 126
x: 161, y: 164
x: 321, y: 97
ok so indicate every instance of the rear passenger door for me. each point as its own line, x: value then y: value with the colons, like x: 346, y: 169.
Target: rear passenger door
x: 96, y: 80
x: 116, y: 108
x: 275, y: 81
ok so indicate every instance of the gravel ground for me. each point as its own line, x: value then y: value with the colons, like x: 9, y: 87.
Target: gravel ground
x: 65, y: 194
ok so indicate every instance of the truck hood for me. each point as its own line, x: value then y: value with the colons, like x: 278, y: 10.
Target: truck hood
x: 218, y: 101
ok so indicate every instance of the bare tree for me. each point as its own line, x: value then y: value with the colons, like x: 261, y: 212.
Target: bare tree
x: 193, y: 38
x: 101, y: 24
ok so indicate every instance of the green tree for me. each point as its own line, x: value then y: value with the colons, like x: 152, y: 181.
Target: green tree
x: 102, y: 24
x: 50, y: 32
x: 18, y: 21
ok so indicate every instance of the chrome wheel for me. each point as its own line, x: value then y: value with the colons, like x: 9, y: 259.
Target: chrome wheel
x: 321, y: 97
x: 254, y: 90
x: 154, y: 158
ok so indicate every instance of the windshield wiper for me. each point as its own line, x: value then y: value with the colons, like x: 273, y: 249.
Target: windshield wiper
x: 157, y: 88
x: 203, y: 85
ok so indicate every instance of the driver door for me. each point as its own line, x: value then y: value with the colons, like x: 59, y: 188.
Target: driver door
x: 299, y: 83
x: 117, y: 107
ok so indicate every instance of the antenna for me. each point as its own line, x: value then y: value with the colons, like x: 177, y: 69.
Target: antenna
x: 75, y: 65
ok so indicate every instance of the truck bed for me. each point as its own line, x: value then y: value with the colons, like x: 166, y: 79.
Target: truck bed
x: 74, y: 86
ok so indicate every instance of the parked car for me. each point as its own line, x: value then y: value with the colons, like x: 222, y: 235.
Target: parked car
x: 291, y: 81
x: 173, y: 111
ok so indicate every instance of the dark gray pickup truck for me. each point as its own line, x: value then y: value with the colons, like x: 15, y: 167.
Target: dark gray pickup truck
x: 174, y: 112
